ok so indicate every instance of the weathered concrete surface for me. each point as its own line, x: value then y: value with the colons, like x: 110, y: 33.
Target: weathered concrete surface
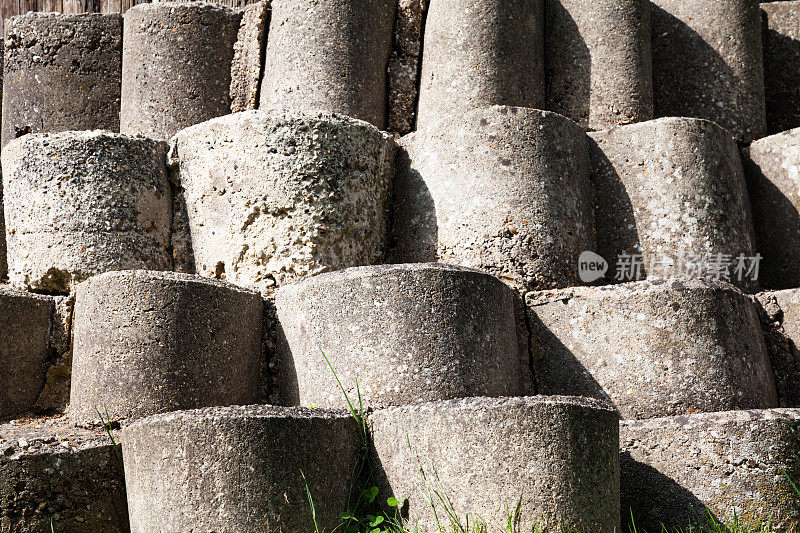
x: 81, y: 203
x: 733, y: 462
x: 62, y: 72
x: 54, y: 397
x: 708, y: 63
x: 399, y: 334
x: 248, y: 56
x: 781, y: 64
x: 277, y: 196
x: 240, y: 469
x: 51, y: 472
x: 628, y: 344
x: 780, y: 318
x: 558, y: 455
x: 176, y: 68
x: 598, y: 62
x: 772, y: 167
x: 404, y: 65
x: 329, y: 55
x: 152, y: 342
x: 502, y: 189
x: 481, y: 53
x: 672, y: 189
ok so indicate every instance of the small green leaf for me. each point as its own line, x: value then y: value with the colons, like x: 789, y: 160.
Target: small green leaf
x: 393, y: 502
x: 376, y: 521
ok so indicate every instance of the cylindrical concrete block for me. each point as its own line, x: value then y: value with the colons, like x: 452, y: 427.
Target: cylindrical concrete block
x: 628, y: 344
x: 240, y: 469
x: 404, y: 65
x: 672, y: 193
x: 481, y: 53
x: 152, y: 342
x: 62, y: 72
x: 176, y: 66
x: 782, y: 64
x: 277, y: 196
x: 82, y: 203
x: 401, y: 333
x: 557, y: 457
x: 677, y: 470
x: 248, y: 56
x: 780, y: 319
x: 708, y: 63
x: 597, y: 61
x: 502, y: 189
x: 329, y: 55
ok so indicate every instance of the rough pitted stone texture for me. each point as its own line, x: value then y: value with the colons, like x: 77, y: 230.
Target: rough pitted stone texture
x: 732, y: 462
x: 598, y: 62
x: 330, y: 55
x: 55, y: 394
x: 62, y: 72
x: 502, y: 189
x: 772, y: 166
x: 81, y: 203
x: 559, y: 455
x: 672, y: 189
x: 277, y: 196
x: 707, y: 63
x: 51, y: 472
x: 181, y: 237
x: 404, y: 65
x: 780, y: 317
x: 240, y: 469
x: 628, y: 344
x: 152, y: 342
x: 176, y: 66
x: 404, y: 333
x: 248, y: 57
x: 481, y: 53
x: 782, y: 64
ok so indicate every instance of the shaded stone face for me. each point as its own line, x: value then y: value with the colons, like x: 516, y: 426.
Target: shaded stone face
x: 248, y: 56
x: 404, y: 65
x: 484, y: 455
x: 240, y: 469
x: 781, y: 64
x: 780, y: 317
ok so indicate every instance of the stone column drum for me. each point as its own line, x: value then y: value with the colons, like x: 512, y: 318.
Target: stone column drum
x: 653, y: 349
x: 484, y: 456
x: 82, y: 203
x: 232, y: 469
x: 502, y: 189
x: 176, y: 68
x: 397, y: 335
x: 151, y: 342
x: 780, y: 319
x: 404, y: 65
x: 62, y: 72
x: 781, y: 64
x: 276, y: 196
x: 481, y: 53
x: 597, y: 61
x: 329, y: 55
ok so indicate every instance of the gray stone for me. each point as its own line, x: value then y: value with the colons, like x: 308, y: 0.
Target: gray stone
x: 181, y: 236
x: 62, y: 72
x: 248, y: 57
x: 329, y: 55
x: 502, y: 189
x: 404, y: 65
x: 780, y: 318
x: 280, y: 195
x: 630, y: 344
x: 55, y: 476
x: 153, y: 342
x: 81, y: 203
x: 782, y: 64
x: 597, y: 61
x: 176, y: 68
x: 708, y: 63
x: 481, y: 53
x: 398, y: 334
x: 54, y: 397
x: 558, y: 456
x: 240, y: 469
x: 672, y: 192
x: 733, y: 463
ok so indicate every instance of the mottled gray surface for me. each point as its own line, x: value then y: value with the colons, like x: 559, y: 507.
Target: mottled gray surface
x: 781, y: 64
x: 329, y: 55
x: 176, y: 68
x: 780, y: 317
x: 248, y: 56
x: 404, y: 333
x: 276, y: 196
x: 597, y: 61
x: 502, y: 189
x: 81, y: 203
x: 708, y: 63
x: 240, y: 469
x: 653, y: 348
x: 62, y: 72
x: 404, y: 65
x: 54, y: 397
x: 481, y: 53
x: 558, y: 455
x: 152, y: 342
x: 733, y: 463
